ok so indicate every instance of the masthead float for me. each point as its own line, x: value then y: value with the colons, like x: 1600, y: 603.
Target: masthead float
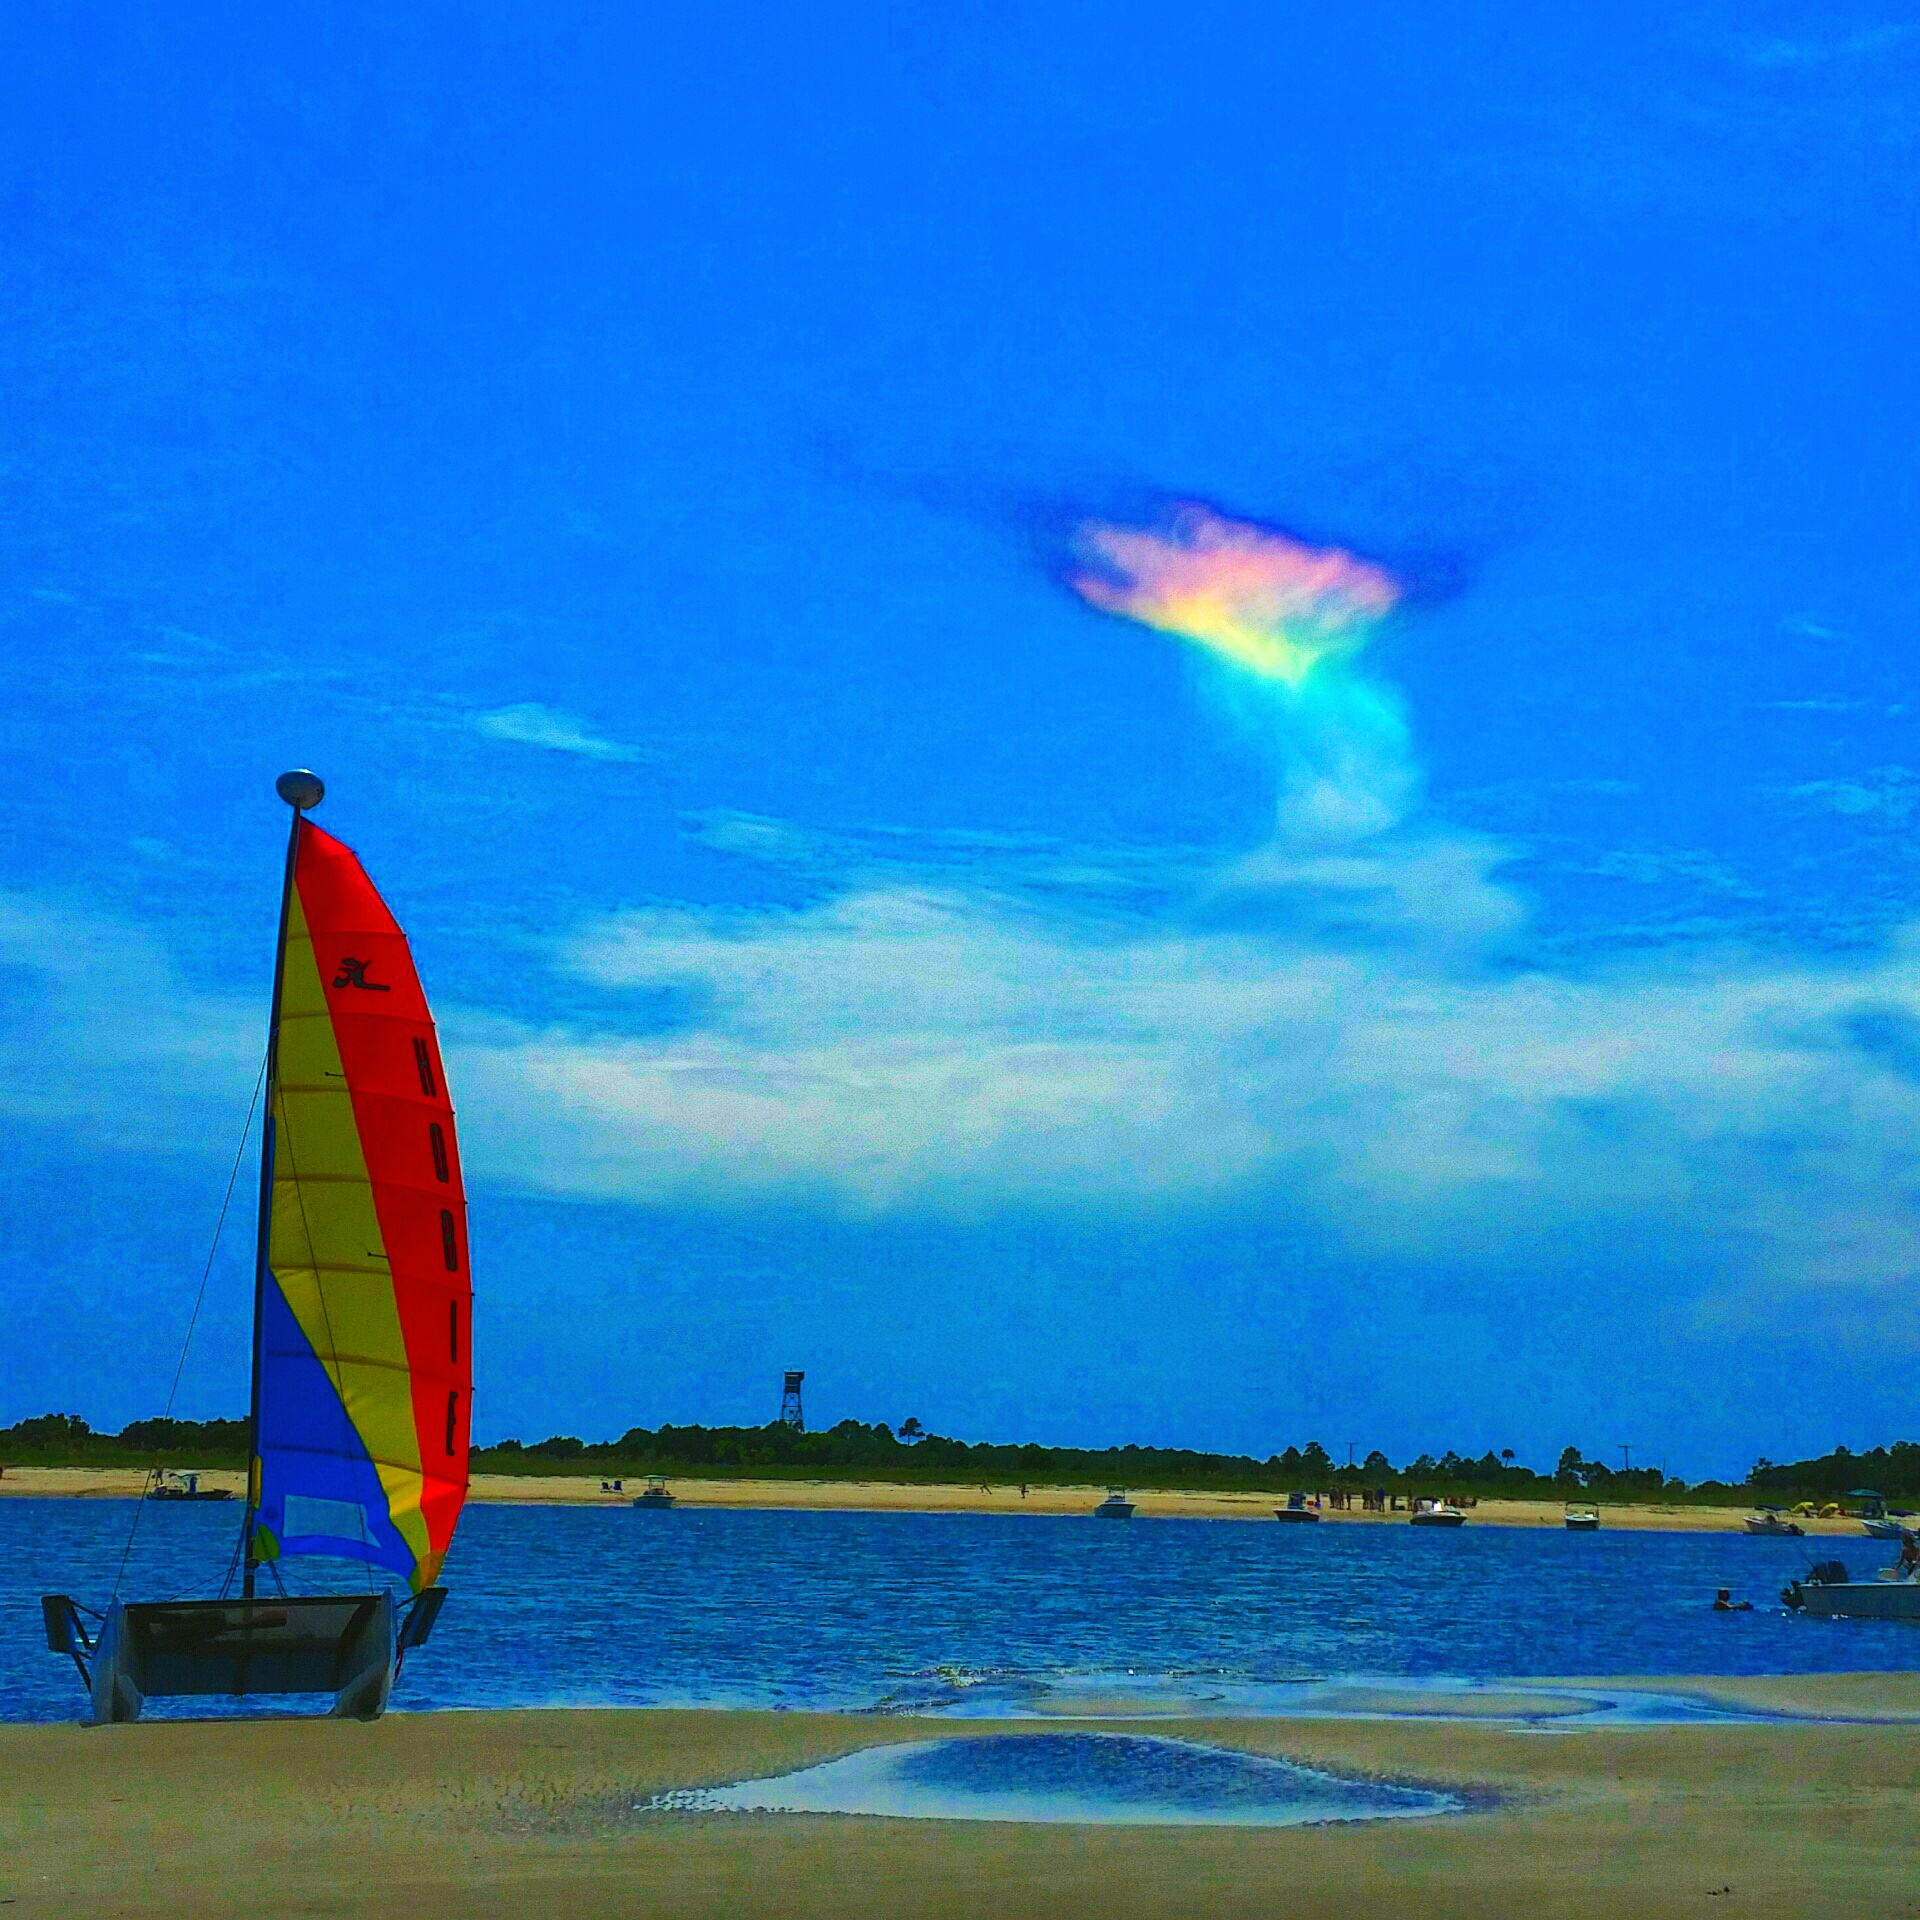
x: 362, y: 1351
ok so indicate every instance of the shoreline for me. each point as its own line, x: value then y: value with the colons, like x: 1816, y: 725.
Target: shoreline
x: 886, y: 1496
x: 508, y: 1813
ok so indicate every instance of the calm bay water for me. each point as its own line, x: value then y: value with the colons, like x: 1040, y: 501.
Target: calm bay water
x: 956, y: 1612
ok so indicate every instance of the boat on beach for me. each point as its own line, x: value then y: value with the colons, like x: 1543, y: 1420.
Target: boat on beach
x: 1887, y: 1526
x: 362, y: 1333
x: 655, y: 1497
x: 1771, y: 1524
x: 1878, y: 1520
x: 1116, y: 1506
x: 1436, y: 1513
x: 1582, y: 1516
x: 1296, y: 1509
x: 169, y: 1483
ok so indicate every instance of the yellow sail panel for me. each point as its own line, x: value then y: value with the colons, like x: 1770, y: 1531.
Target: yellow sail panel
x: 340, y: 1446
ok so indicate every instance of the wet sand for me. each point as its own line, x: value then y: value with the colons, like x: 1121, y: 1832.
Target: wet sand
x: 1889, y: 1697
x: 886, y: 1496
x: 483, y: 1814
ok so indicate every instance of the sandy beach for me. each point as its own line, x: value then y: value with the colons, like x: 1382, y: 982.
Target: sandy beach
x: 511, y: 1814
x: 885, y: 1496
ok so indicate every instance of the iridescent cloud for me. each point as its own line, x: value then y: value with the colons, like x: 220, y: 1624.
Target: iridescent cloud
x: 1255, y: 596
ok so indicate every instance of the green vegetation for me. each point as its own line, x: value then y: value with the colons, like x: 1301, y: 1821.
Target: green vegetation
x: 854, y: 1451
x: 65, y: 1440
x: 1892, y: 1472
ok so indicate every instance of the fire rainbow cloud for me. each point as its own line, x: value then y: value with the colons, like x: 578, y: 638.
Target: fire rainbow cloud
x: 1252, y: 595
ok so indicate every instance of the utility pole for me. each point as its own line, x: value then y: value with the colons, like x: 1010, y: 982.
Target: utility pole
x: 1626, y: 1456
x: 1351, y: 1444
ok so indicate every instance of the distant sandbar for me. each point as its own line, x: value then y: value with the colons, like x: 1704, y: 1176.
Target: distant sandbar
x: 887, y: 1496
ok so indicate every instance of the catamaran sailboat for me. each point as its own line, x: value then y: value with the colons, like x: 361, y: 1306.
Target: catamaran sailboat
x: 362, y: 1351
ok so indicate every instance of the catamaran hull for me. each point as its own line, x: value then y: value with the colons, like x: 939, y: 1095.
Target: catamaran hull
x: 343, y: 1645
x: 1862, y: 1600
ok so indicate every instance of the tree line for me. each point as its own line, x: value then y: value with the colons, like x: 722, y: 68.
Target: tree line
x: 856, y: 1447
x: 65, y: 1440
x: 1893, y: 1472
x: 877, y: 1450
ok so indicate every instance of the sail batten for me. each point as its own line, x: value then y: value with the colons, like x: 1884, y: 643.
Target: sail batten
x: 361, y: 1444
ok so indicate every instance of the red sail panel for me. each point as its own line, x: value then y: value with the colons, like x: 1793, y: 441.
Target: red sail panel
x: 391, y: 1059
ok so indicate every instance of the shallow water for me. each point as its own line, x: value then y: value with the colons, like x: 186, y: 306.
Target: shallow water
x: 989, y: 1614
x: 1105, y: 1779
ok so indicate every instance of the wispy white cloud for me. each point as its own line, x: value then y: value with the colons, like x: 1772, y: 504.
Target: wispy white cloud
x: 1670, y: 866
x: 1347, y: 1041
x: 1826, y: 49
x: 1890, y: 794
x: 105, y: 1034
x: 1351, y: 1039
x: 532, y: 725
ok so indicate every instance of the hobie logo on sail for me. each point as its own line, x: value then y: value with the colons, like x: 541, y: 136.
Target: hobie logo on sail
x: 353, y: 973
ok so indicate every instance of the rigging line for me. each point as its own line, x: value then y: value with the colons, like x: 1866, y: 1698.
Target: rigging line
x: 193, y: 1319
x: 233, y: 1565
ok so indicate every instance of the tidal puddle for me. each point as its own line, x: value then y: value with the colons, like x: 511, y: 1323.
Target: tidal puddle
x: 1110, y: 1779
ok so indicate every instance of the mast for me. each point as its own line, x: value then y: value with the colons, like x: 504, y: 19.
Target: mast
x: 300, y: 790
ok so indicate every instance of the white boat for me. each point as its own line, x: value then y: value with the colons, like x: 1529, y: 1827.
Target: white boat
x: 1772, y: 1524
x: 1116, y: 1506
x: 1828, y: 1594
x: 168, y: 1483
x: 1436, y: 1513
x: 657, y: 1497
x: 1582, y: 1517
x: 1883, y: 1526
x: 1296, y: 1509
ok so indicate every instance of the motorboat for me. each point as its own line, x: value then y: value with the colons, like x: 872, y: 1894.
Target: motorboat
x: 1296, y: 1509
x: 1770, y: 1523
x: 1116, y: 1506
x: 169, y: 1483
x: 1829, y: 1593
x: 656, y: 1496
x: 1582, y: 1516
x: 1436, y: 1513
x: 1878, y: 1520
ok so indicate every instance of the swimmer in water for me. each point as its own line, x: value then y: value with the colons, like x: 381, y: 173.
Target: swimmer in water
x: 1724, y: 1602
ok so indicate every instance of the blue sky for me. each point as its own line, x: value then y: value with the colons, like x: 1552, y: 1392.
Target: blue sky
x: 623, y: 449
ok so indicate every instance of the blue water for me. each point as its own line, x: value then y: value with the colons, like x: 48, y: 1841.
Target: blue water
x: 958, y: 1613
x: 1106, y: 1779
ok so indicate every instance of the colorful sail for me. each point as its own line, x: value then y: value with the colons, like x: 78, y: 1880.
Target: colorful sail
x: 364, y: 1362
